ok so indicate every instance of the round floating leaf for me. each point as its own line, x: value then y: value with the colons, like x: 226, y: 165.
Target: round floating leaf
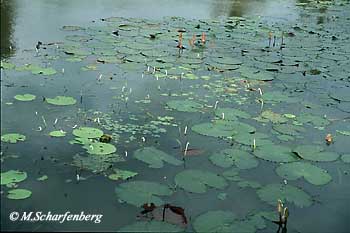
x: 12, y: 176
x: 341, y: 94
x: 155, y: 158
x: 140, y: 192
x: 346, y: 158
x: 214, y: 221
x: 88, y: 132
x: 287, y: 193
x: 229, y: 157
x: 214, y: 130
x: 61, y: 100
x: 231, y: 114
x: 121, y: 174
x: 288, y: 129
x: 151, y: 226
x: 311, y: 173
x: 57, y: 133
x: 100, y: 148
x: 18, y: 194
x: 96, y: 164
x: 248, y: 139
x: 273, y: 117
x: 185, y: 105
x: 275, y: 153
x: 196, y: 181
x: 13, y: 137
x: 315, y: 153
x: 25, y: 97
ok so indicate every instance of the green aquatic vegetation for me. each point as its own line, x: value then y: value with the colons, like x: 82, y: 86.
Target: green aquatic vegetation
x: 100, y: 148
x: 120, y: 174
x: 286, y: 193
x: 197, y: 181
x: 87, y: 132
x: 248, y: 139
x: 138, y: 193
x: 312, y: 119
x: 155, y: 158
x: 61, y: 100
x: 346, y: 158
x: 288, y: 129
x: 151, y: 226
x: 229, y: 157
x: 7, y: 65
x: 275, y: 153
x: 57, y: 133
x: 231, y: 114
x: 249, y: 183
x: 96, y: 164
x: 12, y: 176
x: 185, y: 105
x: 311, y: 173
x: 13, y: 137
x: 25, y: 97
x: 18, y: 194
x: 315, y: 153
x: 43, y: 178
x: 35, y: 69
x: 214, y: 130
x: 214, y: 221
x: 273, y: 117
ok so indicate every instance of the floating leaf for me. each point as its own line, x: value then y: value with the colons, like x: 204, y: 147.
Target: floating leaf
x: 57, y: 133
x: 273, y: 117
x: 25, y: 97
x: 311, y: 173
x: 287, y: 193
x: 139, y: 192
x: 275, y: 153
x: 151, y: 226
x: 214, y: 221
x: 185, y: 105
x: 88, y: 132
x: 288, y: 129
x: 100, y: 148
x: 196, y: 181
x: 12, y: 176
x: 231, y: 114
x: 229, y: 157
x: 42, y: 178
x: 18, y: 194
x: 120, y: 174
x: 214, y: 130
x: 346, y: 158
x: 247, y: 139
x: 61, y: 100
x: 13, y: 137
x: 96, y: 164
x: 155, y: 158
x: 315, y: 153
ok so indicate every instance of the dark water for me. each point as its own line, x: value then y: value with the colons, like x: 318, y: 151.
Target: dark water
x: 24, y: 22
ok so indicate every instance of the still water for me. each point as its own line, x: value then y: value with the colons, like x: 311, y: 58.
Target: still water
x: 25, y: 22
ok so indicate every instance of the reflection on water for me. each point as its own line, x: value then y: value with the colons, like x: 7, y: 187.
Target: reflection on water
x: 7, y: 16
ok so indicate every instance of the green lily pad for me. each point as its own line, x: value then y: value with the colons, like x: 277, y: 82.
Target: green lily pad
x: 273, y: 117
x: 313, y: 119
x: 100, y: 148
x: 61, y: 100
x: 229, y: 157
x: 231, y: 114
x: 214, y: 130
x: 311, y: 173
x: 140, y: 192
x: 287, y: 193
x: 249, y: 183
x: 151, y: 226
x: 120, y: 174
x: 155, y: 158
x: 18, y: 194
x: 185, y: 105
x: 275, y: 153
x: 232, y: 174
x: 248, y: 139
x: 288, y: 129
x: 13, y: 137
x: 196, y: 181
x: 346, y: 158
x: 12, y: 176
x: 57, y: 133
x: 315, y: 153
x: 25, y: 97
x: 214, y: 221
x: 87, y: 132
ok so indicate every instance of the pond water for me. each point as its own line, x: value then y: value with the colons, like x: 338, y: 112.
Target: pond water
x: 218, y: 107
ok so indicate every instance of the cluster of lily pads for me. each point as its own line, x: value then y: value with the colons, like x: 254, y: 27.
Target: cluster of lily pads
x: 237, y: 87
